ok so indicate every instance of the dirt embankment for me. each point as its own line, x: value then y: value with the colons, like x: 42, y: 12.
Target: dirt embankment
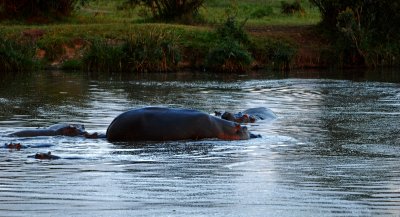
x: 310, y: 45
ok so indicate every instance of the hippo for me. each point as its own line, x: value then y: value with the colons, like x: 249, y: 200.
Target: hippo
x: 16, y: 146
x: 62, y: 129
x: 248, y: 115
x: 45, y: 156
x: 163, y: 124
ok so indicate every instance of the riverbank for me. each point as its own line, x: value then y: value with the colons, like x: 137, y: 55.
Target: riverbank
x: 65, y: 46
x: 102, y: 36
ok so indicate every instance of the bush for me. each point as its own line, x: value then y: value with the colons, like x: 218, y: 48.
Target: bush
x: 16, y: 57
x: 231, y: 30
x: 38, y: 11
x: 275, y: 53
x: 103, y: 56
x: 229, y: 53
x: 291, y: 8
x: 168, y: 10
x: 228, y: 56
x: 147, y: 51
x: 151, y: 51
x: 362, y: 27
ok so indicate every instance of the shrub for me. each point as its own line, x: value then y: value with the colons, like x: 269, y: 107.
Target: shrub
x: 103, y: 56
x: 362, y: 27
x: 229, y: 53
x: 275, y: 53
x: 167, y: 10
x: 279, y: 54
x: 228, y: 56
x: 39, y: 10
x: 151, y: 51
x: 291, y: 8
x: 232, y: 30
x: 16, y: 57
x: 147, y: 51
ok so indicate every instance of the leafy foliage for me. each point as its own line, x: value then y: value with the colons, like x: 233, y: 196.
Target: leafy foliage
x: 151, y: 51
x: 363, y: 25
x: 171, y: 10
x: 103, y: 56
x: 228, y: 56
x: 38, y: 10
x: 146, y: 51
x: 16, y: 57
x: 275, y: 53
x: 229, y: 53
x: 291, y: 8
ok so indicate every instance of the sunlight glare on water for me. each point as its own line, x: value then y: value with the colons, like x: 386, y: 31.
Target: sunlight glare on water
x: 332, y: 151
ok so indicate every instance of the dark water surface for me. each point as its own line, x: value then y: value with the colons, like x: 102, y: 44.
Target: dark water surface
x: 333, y: 151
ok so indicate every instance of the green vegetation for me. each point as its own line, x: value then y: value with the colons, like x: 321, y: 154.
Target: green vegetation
x: 16, y: 56
x: 229, y: 54
x: 112, y: 37
x: 224, y: 35
x: 103, y: 56
x: 167, y: 10
x: 364, y: 32
x: 291, y: 8
x: 41, y: 11
x: 258, y: 13
x: 277, y: 54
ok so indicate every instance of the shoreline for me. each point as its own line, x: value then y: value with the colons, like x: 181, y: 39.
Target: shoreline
x: 63, y: 46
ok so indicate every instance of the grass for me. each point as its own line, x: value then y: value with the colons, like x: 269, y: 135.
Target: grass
x: 214, y: 11
x: 103, y: 21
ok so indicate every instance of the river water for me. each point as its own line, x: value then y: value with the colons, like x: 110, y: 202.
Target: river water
x: 333, y: 151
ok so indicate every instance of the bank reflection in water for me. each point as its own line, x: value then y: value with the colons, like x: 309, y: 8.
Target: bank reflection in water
x: 333, y: 151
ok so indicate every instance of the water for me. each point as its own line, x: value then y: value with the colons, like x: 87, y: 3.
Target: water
x: 333, y: 151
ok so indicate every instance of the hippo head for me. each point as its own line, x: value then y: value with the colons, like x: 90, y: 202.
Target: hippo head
x: 242, y: 132
x: 71, y: 130
x: 228, y: 116
x: 238, y: 118
x: 236, y: 132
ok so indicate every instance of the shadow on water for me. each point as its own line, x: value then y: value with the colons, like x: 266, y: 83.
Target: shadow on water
x: 333, y: 151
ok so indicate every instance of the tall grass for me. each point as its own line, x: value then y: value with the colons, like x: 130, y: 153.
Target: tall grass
x: 148, y: 50
x: 151, y: 51
x: 273, y: 53
x: 103, y: 56
x: 15, y: 57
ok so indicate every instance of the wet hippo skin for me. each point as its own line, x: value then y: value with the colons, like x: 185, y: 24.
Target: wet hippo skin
x: 162, y: 124
x: 248, y: 115
x: 62, y: 129
x: 53, y: 130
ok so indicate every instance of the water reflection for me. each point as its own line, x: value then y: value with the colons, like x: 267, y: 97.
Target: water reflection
x: 333, y: 151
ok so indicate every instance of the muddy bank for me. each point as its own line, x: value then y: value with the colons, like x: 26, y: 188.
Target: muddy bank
x: 270, y: 47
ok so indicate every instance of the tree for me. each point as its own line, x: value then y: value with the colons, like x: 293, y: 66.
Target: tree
x: 368, y: 26
x: 170, y: 10
x: 36, y: 9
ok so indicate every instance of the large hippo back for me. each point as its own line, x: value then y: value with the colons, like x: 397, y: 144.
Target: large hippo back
x: 159, y: 124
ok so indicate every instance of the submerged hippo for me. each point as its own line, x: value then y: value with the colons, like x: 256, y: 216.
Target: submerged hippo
x: 160, y: 124
x: 249, y: 115
x: 62, y: 129
x: 16, y: 146
x: 45, y: 156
